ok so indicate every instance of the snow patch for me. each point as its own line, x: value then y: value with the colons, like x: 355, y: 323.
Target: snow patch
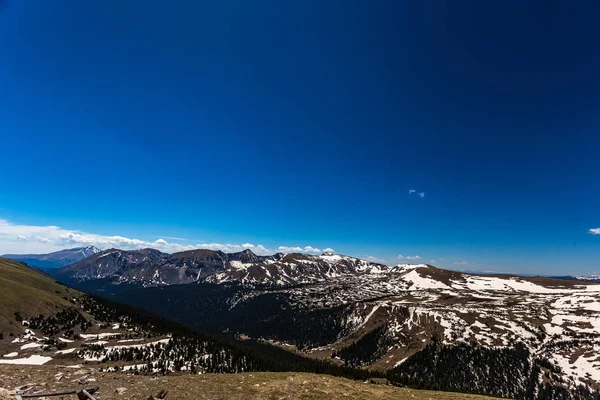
x: 31, y: 360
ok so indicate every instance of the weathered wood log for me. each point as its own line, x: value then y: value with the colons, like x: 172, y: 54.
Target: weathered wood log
x: 84, y: 395
x: 160, y: 396
x: 89, y: 391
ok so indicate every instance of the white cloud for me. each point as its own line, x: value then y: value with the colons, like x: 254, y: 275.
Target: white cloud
x: 329, y: 250
x: 310, y: 249
x: 420, y: 194
x: 289, y: 249
x: 229, y: 248
x: 461, y: 262
x: 22, y: 239
x: 296, y: 249
x: 374, y: 259
x: 178, y: 238
x: 595, y: 231
x: 53, y: 238
x: 401, y: 257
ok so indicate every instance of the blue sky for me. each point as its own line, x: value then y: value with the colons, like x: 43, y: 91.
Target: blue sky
x: 306, y: 124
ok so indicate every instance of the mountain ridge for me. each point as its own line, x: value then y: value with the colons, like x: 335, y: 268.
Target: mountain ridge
x: 150, y: 267
x: 55, y: 259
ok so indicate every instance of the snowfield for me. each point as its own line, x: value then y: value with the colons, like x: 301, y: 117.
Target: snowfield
x: 89, y: 355
x: 30, y: 346
x: 105, y: 335
x: 66, y: 351
x: 31, y: 360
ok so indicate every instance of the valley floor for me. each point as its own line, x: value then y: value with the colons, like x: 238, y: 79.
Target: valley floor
x: 247, y: 386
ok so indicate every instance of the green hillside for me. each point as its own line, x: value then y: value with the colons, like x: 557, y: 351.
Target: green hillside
x: 29, y: 292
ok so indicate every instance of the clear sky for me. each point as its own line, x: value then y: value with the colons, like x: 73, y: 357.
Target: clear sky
x: 305, y: 123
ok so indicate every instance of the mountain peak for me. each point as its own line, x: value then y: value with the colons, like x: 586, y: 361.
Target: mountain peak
x: 244, y: 256
x: 87, y: 250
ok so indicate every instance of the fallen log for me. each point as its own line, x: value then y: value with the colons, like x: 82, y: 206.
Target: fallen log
x: 86, y: 393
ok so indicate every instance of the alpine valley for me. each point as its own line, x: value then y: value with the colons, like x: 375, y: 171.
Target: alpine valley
x: 500, y: 335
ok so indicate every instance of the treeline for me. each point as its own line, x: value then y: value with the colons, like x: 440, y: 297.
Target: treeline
x: 366, y: 350
x: 268, y: 315
x: 190, y: 347
x: 501, y: 372
x: 64, y: 321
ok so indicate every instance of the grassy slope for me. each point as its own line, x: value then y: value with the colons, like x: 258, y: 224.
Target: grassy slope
x: 263, y: 385
x: 28, y: 291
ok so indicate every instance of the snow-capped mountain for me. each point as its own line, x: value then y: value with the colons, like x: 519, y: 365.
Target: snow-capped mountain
x: 582, y: 278
x: 150, y: 267
x: 56, y: 259
x: 362, y: 313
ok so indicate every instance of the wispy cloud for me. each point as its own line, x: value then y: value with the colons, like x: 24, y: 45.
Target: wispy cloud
x: 595, y: 231
x: 401, y: 257
x: 178, y: 238
x: 413, y: 191
x: 373, y: 259
x: 422, y: 194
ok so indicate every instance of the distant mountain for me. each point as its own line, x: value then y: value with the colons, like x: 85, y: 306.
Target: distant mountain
x: 581, y: 278
x: 55, y: 260
x: 149, y: 267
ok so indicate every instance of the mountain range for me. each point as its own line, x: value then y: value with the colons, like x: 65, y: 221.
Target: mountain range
x: 43, y: 322
x: 496, y: 334
x: 149, y: 267
x: 54, y: 260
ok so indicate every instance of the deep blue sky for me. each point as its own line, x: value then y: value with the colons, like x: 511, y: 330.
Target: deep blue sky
x: 307, y: 123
